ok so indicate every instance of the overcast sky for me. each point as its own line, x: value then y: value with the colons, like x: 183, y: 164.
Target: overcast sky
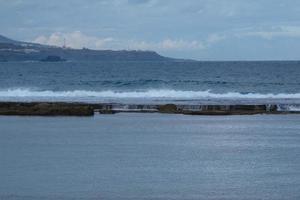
x: 199, y: 29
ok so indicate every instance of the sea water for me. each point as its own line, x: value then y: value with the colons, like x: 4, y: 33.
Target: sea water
x: 150, y: 156
x: 154, y: 82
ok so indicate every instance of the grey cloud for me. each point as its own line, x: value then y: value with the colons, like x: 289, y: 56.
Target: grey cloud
x: 221, y: 26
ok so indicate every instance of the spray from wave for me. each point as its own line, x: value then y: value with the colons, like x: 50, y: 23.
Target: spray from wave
x: 147, y: 94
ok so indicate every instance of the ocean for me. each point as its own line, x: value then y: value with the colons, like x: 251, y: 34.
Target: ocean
x: 152, y: 82
x: 150, y: 156
x: 147, y: 156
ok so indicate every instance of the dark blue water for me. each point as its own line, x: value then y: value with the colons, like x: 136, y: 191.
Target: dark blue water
x: 116, y: 81
x: 150, y: 156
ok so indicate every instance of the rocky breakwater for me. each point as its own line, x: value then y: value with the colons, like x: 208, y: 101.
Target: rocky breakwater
x: 86, y: 109
x: 46, y: 109
x: 219, y: 109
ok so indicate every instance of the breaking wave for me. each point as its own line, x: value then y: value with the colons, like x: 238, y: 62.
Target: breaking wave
x: 152, y: 94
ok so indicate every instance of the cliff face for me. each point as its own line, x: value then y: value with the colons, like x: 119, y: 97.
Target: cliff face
x: 11, y: 50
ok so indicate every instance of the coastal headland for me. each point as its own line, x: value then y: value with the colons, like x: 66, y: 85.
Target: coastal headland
x: 89, y: 109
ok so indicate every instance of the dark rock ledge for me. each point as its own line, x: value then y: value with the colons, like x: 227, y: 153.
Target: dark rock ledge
x: 46, y: 109
x: 86, y: 109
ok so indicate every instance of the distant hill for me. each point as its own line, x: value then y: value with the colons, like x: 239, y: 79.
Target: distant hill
x: 11, y: 50
x: 6, y: 40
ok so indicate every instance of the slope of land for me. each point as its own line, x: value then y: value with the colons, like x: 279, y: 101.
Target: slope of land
x: 11, y: 50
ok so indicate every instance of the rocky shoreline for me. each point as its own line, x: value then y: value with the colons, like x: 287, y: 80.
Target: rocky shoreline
x: 45, y: 109
x: 86, y: 109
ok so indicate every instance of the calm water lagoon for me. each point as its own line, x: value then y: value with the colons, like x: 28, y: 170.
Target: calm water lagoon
x: 150, y: 156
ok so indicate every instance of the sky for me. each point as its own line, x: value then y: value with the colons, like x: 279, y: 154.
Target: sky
x: 193, y: 29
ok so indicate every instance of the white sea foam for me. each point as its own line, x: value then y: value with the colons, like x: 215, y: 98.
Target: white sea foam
x: 147, y: 94
x: 289, y: 108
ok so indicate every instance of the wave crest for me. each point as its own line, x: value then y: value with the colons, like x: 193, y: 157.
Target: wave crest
x: 152, y: 94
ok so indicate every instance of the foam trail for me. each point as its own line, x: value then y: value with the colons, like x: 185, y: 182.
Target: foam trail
x: 289, y: 108
x: 151, y: 94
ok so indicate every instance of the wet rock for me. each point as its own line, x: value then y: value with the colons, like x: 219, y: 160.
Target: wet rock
x: 272, y: 108
x: 168, y: 108
x: 248, y: 108
x: 86, y: 109
x: 107, y: 112
x: 46, y: 109
x: 231, y: 110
